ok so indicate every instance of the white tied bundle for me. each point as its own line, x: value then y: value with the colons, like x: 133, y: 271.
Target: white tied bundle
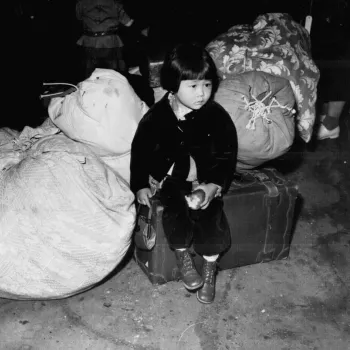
x: 104, y: 113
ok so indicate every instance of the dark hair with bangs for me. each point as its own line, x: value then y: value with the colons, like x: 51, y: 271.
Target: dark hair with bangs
x: 187, y: 61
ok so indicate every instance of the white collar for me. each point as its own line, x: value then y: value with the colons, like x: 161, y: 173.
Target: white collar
x: 179, y: 110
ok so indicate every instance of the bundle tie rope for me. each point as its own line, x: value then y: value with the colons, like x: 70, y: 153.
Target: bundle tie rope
x: 58, y: 93
x: 21, y: 145
x: 259, y: 109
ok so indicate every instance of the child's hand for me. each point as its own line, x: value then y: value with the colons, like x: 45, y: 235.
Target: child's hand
x: 143, y: 196
x: 211, y: 191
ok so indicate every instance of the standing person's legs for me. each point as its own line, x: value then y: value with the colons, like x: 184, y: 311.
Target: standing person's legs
x: 334, y: 111
x: 89, y: 61
x: 115, y: 60
x: 178, y: 228
x: 108, y: 58
x: 211, y: 238
x: 333, y: 88
x: 330, y: 120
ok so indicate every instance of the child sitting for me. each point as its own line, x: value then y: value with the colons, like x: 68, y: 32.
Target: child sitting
x: 186, y: 141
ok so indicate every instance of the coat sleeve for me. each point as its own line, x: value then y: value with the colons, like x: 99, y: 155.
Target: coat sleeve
x: 225, y: 147
x: 142, y: 147
x: 123, y: 17
x: 78, y: 10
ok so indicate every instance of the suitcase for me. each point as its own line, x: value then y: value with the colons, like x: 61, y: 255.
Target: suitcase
x: 260, y: 210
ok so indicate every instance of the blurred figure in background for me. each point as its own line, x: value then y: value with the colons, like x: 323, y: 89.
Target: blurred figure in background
x: 329, y: 128
x: 100, y: 41
x: 330, y: 37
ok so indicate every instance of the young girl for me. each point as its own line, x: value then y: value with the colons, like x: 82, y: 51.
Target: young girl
x: 187, y: 141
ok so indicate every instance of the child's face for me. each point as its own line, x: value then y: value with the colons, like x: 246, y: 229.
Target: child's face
x: 194, y: 94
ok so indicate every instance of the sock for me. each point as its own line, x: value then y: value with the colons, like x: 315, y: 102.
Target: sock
x: 330, y: 122
x: 211, y: 258
x: 181, y: 249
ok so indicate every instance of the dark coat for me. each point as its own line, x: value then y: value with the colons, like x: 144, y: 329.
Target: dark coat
x: 208, y: 135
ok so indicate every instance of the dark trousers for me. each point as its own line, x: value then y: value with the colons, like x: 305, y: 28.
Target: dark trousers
x: 93, y: 58
x: 206, y: 229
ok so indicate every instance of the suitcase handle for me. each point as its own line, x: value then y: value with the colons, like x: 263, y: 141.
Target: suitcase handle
x: 249, y: 177
x: 242, y: 179
x: 145, y: 234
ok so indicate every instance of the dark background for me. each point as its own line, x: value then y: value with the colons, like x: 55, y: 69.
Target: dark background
x: 40, y: 44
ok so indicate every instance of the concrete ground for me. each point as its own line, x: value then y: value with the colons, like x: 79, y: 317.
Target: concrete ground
x: 302, y: 303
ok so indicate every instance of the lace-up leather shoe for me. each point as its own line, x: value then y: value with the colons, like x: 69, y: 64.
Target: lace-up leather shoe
x: 189, y: 275
x: 206, y: 294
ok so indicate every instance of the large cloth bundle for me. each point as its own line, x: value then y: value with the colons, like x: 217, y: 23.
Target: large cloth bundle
x: 261, y: 106
x: 66, y: 214
x: 277, y: 45
x: 104, y: 112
